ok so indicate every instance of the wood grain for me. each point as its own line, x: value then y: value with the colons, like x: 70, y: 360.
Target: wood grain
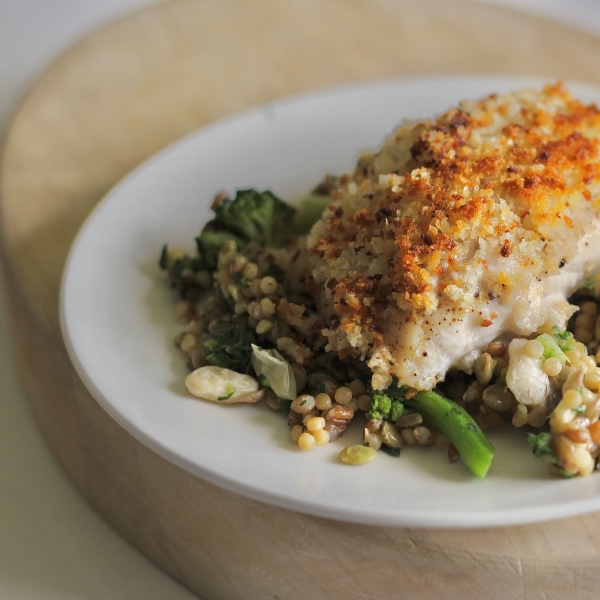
x: 129, y: 90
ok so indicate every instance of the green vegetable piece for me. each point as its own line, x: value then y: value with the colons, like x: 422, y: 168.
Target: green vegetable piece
x: 239, y: 279
x: 459, y: 427
x: 395, y: 452
x: 263, y: 381
x: 232, y: 347
x: 551, y: 348
x: 565, y: 339
x: 285, y: 405
x: 540, y: 446
x: 396, y: 410
x: 385, y: 407
x: 381, y: 406
x: 310, y: 210
x: 251, y: 216
x: 182, y: 273
x: 588, y: 284
x: 229, y: 390
x: 163, y: 260
x: 210, y: 242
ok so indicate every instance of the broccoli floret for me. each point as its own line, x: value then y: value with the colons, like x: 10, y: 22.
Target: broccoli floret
x: 396, y: 411
x: 384, y: 407
x: 231, y: 347
x: 381, y: 406
x: 249, y: 217
x: 210, y: 242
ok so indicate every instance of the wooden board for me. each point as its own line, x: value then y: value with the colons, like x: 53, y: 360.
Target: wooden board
x: 124, y: 93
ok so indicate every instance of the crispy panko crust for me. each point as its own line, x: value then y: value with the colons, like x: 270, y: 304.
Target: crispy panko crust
x: 452, y: 230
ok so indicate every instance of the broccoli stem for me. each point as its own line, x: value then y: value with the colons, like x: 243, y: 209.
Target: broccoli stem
x: 474, y: 448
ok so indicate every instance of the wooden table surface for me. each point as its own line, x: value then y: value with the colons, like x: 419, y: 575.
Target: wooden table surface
x: 127, y: 91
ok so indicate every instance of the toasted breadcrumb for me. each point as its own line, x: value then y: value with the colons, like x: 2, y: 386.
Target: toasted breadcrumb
x: 461, y: 229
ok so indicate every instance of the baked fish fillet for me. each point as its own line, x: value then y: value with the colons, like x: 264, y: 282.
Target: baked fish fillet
x: 460, y: 230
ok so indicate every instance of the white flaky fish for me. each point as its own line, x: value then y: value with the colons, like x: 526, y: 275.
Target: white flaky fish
x: 460, y: 230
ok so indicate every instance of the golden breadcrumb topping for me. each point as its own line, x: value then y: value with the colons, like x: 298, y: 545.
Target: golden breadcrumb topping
x: 453, y: 219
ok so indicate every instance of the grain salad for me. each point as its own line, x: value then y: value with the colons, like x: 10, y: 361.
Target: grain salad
x: 446, y: 286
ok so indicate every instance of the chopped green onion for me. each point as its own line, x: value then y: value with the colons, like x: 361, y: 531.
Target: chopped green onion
x: 565, y: 339
x: 551, y: 348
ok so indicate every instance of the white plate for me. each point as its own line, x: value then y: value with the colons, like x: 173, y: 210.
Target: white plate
x: 117, y: 315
